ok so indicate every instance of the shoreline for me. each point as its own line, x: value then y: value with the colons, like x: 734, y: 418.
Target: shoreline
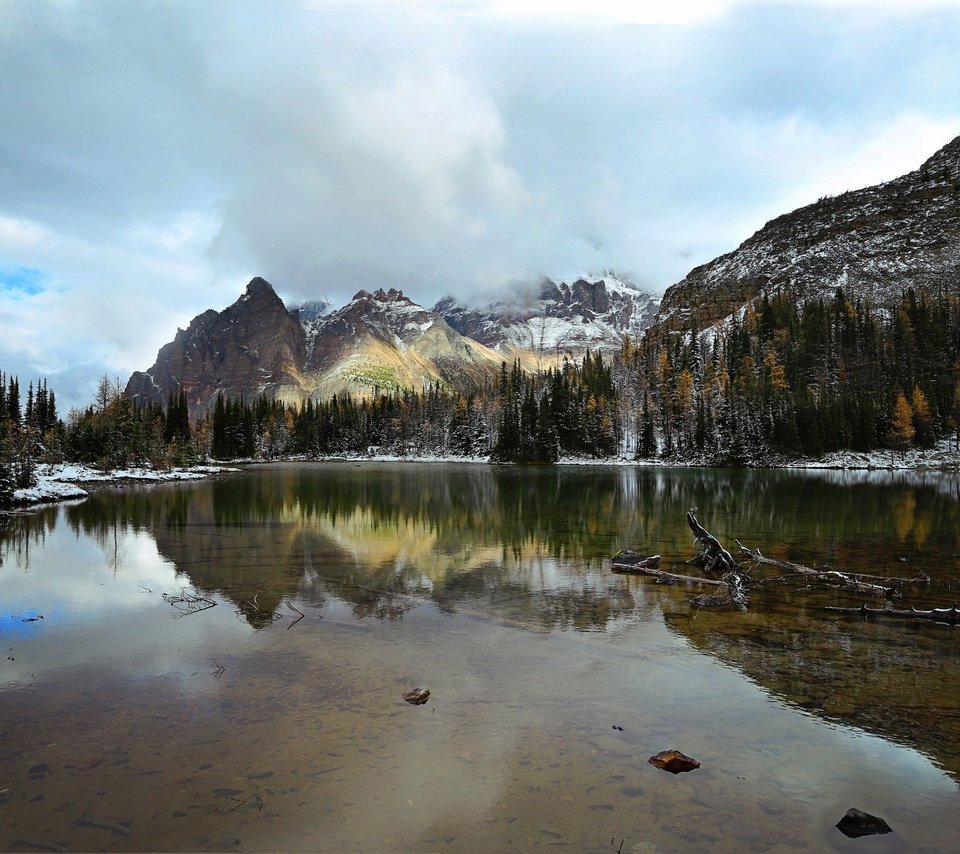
x: 74, y: 481
x: 70, y: 481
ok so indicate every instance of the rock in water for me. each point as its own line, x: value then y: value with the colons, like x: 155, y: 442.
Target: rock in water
x: 673, y: 761
x: 417, y: 697
x: 859, y: 823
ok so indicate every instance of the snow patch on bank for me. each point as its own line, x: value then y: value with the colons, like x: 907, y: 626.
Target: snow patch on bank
x: 59, y: 482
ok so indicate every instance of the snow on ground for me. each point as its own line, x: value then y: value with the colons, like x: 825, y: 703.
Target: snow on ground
x: 60, y: 481
x: 943, y: 455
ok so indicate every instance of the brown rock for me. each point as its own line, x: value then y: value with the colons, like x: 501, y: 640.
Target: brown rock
x: 252, y: 346
x: 417, y: 696
x: 673, y: 761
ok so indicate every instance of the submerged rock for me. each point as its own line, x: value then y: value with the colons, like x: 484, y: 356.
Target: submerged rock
x: 859, y: 823
x: 673, y: 761
x: 417, y: 696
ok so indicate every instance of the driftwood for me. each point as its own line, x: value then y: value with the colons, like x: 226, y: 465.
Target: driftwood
x: 938, y: 615
x: 736, y: 579
x: 714, y: 555
x: 634, y: 562
x: 877, y: 585
x: 627, y: 560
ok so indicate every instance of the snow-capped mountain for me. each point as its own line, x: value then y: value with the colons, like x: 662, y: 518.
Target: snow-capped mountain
x: 383, y: 340
x: 872, y: 242
x: 378, y: 341
x: 591, y: 312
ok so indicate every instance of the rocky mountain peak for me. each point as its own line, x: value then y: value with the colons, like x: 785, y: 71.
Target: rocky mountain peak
x: 250, y: 346
x: 591, y: 312
x: 258, y: 287
x: 380, y: 295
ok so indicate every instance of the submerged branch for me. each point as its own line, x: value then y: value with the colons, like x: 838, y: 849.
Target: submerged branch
x: 633, y: 562
x: 877, y: 586
x: 939, y: 615
x: 297, y: 610
x: 188, y: 602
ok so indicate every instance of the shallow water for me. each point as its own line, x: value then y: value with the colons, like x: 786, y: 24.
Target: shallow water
x: 552, y: 679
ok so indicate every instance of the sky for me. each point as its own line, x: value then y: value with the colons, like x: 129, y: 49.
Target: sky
x: 155, y: 156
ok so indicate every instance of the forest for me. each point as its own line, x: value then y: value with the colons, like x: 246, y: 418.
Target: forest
x: 778, y: 381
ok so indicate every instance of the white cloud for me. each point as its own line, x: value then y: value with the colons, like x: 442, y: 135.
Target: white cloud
x: 18, y: 235
x: 156, y: 157
x: 606, y: 11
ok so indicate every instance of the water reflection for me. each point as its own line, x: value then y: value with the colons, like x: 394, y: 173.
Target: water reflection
x: 383, y: 538
x: 530, y: 547
x: 493, y: 587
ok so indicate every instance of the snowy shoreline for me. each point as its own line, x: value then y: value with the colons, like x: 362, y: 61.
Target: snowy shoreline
x: 62, y: 482
x: 65, y: 481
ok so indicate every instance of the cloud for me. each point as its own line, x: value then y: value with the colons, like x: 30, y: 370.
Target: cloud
x: 156, y: 157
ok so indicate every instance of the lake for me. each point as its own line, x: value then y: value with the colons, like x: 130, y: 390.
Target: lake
x: 220, y: 665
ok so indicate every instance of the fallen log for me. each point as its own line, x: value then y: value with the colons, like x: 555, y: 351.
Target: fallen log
x: 635, y: 563
x: 714, y: 556
x: 629, y: 561
x: 938, y: 615
x: 877, y: 586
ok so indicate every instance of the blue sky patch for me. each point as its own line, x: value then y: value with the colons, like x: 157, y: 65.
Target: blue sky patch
x: 22, y: 280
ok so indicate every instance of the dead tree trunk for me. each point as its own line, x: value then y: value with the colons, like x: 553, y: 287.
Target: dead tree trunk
x: 878, y: 585
x: 626, y: 560
x: 714, y: 556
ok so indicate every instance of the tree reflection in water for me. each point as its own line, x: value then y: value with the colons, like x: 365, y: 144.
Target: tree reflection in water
x: 530, y: 547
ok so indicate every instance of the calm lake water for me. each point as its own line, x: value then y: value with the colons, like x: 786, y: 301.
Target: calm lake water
x: 128, y: 723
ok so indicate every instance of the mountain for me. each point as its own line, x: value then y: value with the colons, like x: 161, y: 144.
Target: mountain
x: 553, y: 317
x: 380, y: 341
x: 383, y: 340
x: 873, y: 242
x: 255, y: 345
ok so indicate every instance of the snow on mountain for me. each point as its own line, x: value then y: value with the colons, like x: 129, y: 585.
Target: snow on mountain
x: 383, y: 340
x: 590, y: 312
x: 311, y: 310
x: 378, y: 341
x: 873, y: 242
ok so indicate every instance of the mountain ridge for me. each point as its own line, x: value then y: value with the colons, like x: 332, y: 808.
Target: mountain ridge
x: 873, y: 242
x: 380, y: 341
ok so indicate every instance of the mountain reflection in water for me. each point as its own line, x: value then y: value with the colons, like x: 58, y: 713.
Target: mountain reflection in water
x: 528, y: 549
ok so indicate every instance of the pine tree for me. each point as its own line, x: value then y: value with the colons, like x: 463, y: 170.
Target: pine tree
x: 922, y: 418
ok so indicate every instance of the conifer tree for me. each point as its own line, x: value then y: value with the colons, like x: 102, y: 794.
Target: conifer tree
x: 922, y: 418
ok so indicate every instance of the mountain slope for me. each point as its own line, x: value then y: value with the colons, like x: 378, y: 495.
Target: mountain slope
x: 383, y: 340
x: 379, y: 341
x: 253, y: 346
x: 871, y: 242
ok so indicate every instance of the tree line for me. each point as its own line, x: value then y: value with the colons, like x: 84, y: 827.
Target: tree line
x: 777, y: 380
x: 782, y: 379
